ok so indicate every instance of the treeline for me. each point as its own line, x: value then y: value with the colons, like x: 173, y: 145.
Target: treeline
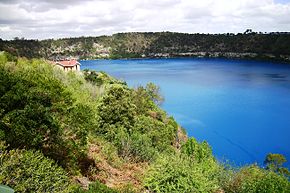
x: 88, y: 132
x: 160, y: 44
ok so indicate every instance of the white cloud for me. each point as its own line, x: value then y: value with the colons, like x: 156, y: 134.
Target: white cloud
x: 53, y: 18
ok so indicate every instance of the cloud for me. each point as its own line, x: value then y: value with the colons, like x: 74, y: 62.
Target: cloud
x: 53, y: 18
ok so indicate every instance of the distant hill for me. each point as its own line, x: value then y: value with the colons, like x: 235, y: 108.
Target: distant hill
x: 275, y: 45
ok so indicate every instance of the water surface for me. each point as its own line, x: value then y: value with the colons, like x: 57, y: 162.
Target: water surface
x: 242, y: 108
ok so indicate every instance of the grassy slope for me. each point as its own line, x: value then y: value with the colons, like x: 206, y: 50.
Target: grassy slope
x: 105, y: 158
x: 109, y: 133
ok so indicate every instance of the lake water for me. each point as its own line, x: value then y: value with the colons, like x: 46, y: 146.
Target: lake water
x: 242, y: 108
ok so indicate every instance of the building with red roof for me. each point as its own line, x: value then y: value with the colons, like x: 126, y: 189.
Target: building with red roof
x: 68, y: 65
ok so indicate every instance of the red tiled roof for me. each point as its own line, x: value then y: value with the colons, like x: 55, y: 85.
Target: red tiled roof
x: 68, y: 63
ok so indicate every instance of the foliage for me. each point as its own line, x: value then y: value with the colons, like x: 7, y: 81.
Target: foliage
x: 252, y: 179
x: 177, y: 173
x: 100, y: 78
x: 147, y: 98
x: 27, y: 101
x: 3, y: 58
x: 107, y: 151
x: 198, y: 151
x: 96, y: 187
x: 149, y: 44
x: 137, y: 147
x: 162, y: 134
x: 31, y: 171
x: 39, y: 112
x: 274, y: 162
x: 141, y: 99
x: 123, y: 118
x: 116, y: 113
x: 154, y: 93
x: 46, y: 112
x: 93, y: 77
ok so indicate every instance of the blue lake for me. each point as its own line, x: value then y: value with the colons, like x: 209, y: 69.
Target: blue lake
x: 242, y: 108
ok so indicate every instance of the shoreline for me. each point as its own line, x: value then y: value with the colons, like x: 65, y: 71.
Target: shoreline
x: 285, y: 59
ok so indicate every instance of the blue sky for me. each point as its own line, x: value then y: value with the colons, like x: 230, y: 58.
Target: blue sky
x: 282, y: 1
x: 44, y: 19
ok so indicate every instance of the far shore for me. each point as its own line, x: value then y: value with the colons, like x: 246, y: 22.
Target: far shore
x: 205, y: 55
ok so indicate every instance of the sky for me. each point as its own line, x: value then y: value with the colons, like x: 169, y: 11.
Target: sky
x: 43, y: 19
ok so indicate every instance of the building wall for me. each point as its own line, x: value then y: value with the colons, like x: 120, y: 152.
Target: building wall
x: 74, y: 68
x: 69, y: 68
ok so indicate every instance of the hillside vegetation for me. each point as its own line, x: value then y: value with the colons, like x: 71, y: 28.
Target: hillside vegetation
x: 274, y: 46
x: 88, y: 132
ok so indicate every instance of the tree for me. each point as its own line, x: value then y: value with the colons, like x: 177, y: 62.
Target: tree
x: 142, y: 100
x: 274, y: 162
x: 154, y: 93
x: 253, y: 179
x: 116, y: 111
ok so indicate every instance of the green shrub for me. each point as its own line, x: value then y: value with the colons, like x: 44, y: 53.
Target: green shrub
x: 30, y: 101
x: 142, y: 101
x: 142, y: 148
x: 177, y: 173
x: 96, y: 187
x: 115, y: 112
x: 93, y: 77
x: 136, y: 147
x: 30, y: 171
x: 274, y: 162
x: 38, y: 111
x: 147, y: 98
x: 3, y: 57
x: 162, y: 134
x: 137, y: 135
x: 253, y: 179
x: 148, y: 137
x: 198, y: 151
x: 100, y: 78
x: 154, y: 93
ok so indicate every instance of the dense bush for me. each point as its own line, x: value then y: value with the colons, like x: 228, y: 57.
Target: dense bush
x: 177, y: 173
x: 198, y: 151
x: 38, y: 111
x: 154, y: 93
x: 93, y: 77
x: 100, y: 78
x: 136, y: 146
x: 96, y: 187
x: 192, y: 170
x: 252, y: 179
x: 124, y: 119
x: 28, y: 104
x: 116, y: 112
x: 147, y: 98
x: 141, y: 99
x: 31, y: 171
x: 162, y: 133
x: 274, y: 162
